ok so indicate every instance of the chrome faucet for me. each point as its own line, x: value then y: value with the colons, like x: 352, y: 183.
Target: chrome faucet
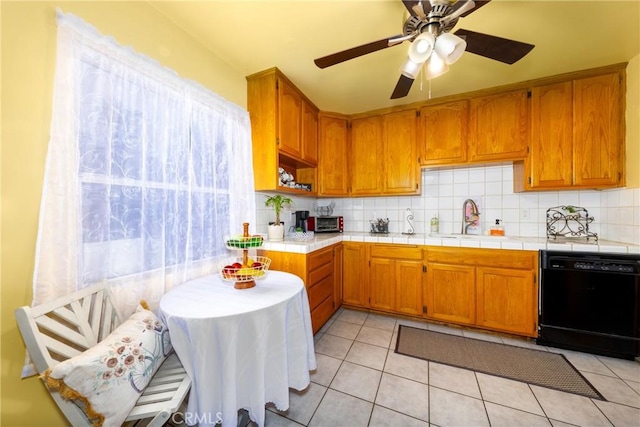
x: 473, y: 217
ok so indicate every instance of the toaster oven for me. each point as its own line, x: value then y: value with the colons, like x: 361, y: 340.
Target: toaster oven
x: 325, y: 224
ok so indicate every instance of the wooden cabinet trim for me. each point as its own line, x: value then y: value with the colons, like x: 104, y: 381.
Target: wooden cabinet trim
x: 396, y: 251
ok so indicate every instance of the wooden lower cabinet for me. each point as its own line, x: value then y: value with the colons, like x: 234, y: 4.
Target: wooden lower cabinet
x: 395, y: 278
x: 505, y: 297
x: 485, y: 288
x: 450, y: 293
x: 382, y: 292
x: 409, y: 277
x: 318, y: 270
x: 354, y: 274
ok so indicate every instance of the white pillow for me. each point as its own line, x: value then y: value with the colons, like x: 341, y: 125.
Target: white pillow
x: 107, y: 379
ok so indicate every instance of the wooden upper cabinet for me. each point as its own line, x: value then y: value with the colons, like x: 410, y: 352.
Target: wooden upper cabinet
x: 442, y: 136
x: 598, y: 129
x: 401, y: 168
x: 498, y: 127
x: 577, y: 135
x: 309, y: 142
x: 333, y: 176
x: 366, y: 156
x: 283, y: 132
x: 551, y: 157
x: 289, y: 119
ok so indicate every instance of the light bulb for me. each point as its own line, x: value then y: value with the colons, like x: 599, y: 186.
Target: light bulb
x: 436, y: 66
x: 450, y: 47
x: 421, y: 47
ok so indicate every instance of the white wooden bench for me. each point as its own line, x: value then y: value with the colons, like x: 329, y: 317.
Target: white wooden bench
x: 65, y: 327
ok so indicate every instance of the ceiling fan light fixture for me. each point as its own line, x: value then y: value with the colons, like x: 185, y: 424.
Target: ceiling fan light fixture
x: 435, y: 66
x: 450, y: 47
x: 410, y: 68
x: 421, y: 47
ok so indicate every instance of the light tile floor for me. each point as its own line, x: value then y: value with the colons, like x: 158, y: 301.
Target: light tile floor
x: 360, y: 381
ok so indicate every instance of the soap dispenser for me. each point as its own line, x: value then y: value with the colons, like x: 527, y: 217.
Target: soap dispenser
x: 497, y: 230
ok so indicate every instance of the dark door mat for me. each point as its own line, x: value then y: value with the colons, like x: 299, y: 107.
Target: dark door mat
x: 530, y: 366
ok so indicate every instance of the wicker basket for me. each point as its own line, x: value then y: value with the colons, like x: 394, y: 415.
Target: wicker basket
x: 245, y: 273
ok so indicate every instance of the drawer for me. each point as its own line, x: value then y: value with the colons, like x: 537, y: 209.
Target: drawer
x: 321, y: 314
x: 396, y: 251
x: 318, y: 274
x: 498, y: 258
x: 320, y: 291
x: 319, y: 258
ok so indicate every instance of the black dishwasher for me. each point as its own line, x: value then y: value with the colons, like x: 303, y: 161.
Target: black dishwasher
x: 590, y: 302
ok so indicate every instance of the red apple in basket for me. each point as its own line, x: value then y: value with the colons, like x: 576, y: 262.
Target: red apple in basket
x: 236, y: 265
x: 228, y: 271
x: 256, y: 264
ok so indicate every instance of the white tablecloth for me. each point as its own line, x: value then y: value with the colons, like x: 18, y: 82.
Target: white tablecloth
x: 242, y: 348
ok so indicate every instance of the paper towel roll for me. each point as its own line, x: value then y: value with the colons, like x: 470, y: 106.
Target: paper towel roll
x: 408, y: 222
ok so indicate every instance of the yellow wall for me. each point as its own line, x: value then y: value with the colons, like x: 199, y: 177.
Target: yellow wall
x: 28, y: 59
x: 28, y: 54
x: 633, y: 123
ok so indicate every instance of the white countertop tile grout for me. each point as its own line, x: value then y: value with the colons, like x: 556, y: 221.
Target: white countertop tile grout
x: 320, y: 241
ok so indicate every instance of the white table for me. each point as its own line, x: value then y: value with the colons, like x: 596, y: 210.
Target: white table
x: 242, y: 348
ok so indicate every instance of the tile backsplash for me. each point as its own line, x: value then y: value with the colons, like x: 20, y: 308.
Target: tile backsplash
x: 616, y: 212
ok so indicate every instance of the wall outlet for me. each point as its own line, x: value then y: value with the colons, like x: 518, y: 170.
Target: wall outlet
x: 525, y: 213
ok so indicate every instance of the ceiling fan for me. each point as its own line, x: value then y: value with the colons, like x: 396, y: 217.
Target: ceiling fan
x: 432, y: 45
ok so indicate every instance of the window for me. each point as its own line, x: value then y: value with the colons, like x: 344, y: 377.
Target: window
x: 143, y: 180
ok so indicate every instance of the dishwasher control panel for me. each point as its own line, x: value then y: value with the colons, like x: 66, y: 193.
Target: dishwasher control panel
x: 592, y: 263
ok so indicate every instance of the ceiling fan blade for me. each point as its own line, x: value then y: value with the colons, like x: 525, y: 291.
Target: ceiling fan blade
x: 493, y: 47
x: 402, y: 87
x: 466, y: 6
x: 411, y: 4
x: 354, y: 52
x: 479, y: 4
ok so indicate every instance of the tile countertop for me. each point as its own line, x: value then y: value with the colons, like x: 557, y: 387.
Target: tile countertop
x: 320, y: 241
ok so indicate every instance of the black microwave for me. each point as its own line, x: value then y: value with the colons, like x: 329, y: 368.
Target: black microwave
x: 325, y: 224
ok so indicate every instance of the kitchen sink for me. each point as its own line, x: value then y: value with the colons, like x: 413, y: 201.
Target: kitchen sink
x: 467, y: 236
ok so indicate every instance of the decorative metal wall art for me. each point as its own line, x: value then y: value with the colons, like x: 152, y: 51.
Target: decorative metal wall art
x: 569, y: 222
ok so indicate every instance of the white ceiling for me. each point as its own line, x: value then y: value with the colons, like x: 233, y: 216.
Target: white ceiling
x: 258, y: 34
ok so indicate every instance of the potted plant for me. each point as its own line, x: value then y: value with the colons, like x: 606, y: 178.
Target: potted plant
x: 277, y: 202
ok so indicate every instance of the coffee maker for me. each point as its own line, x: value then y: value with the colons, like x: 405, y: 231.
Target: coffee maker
x: 301, y: 220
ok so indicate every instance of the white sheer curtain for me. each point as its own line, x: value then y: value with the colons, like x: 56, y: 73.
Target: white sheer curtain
x: 146, y: 173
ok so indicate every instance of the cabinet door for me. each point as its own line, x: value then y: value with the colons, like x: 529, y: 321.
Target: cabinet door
x: 505, y: 300
x: 289, y: 119
x: 401, y: 169
x: 498, y: 127
x: 408, y: 283
x: 366, y: 156
x: 309, y: 143
x: 381, y: 284
x: 338, y: 251
x: 450, y: 293
x: 598, y: 130
x: 443, y: 133
x: 333, y: 177
x: 550, y: 157
x: 354, y: 274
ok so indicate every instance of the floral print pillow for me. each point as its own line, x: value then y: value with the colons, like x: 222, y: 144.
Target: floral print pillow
x: 106, y: 380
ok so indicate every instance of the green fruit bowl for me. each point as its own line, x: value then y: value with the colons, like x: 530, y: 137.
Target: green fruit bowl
x: 241, y: 242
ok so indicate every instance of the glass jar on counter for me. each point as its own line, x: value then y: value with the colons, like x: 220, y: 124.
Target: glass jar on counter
x: 435, y: 225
